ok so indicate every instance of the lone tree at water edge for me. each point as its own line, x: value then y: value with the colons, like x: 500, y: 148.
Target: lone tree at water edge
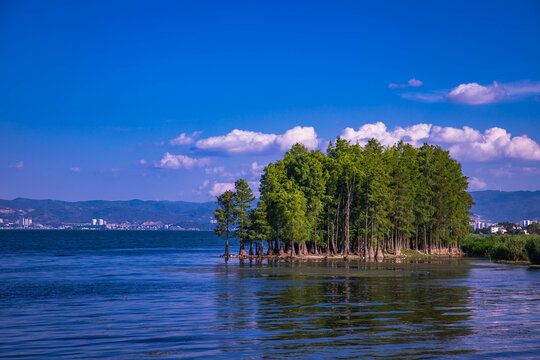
x: 225, y: 217
x: 243, y: 197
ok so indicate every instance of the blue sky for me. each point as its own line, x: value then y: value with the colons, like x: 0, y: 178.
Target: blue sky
x: 92, y: 93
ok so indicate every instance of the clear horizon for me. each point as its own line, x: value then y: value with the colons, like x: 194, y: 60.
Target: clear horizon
x: 174, y: 101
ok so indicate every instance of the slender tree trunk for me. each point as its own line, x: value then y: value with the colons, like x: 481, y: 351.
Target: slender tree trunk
x: 336, y: 249
x: 366, y: 236
x: 227, y: 244
x: 347, y: 220
x: 416, y: 239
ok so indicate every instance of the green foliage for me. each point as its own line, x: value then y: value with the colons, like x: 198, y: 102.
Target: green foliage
x: 502, y: 247
x: 534, y: 228
x: 532, y: 247
x: 243, y: 197
x: 357, y: 197
x: 224, y: 215
x: 511, y: 249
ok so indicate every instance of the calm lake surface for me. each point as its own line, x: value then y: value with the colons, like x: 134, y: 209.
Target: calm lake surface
x: 126, y: 295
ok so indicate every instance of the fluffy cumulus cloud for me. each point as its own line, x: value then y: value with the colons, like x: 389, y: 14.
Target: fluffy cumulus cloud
x: 411, y: 83
x: 496, y: 143
x: 184, y: 139
x: 220, y: 187
x: 477, y: 184
x: 241, y: 142
x: 477, y: 94
x: 412, y: 134
x: 465, y: 144
x: 454, y: 135
x: 170, y: 161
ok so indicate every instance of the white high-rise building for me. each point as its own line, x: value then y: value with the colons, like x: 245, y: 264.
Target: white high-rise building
x: 100, y: 222
x: 525, y: 222
x: 94, y: 222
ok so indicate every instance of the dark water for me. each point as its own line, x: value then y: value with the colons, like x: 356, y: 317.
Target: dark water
x: 133, y: 295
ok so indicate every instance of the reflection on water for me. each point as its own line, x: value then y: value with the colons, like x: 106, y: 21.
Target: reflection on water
x: 346, y: 308
x: 169, y: 295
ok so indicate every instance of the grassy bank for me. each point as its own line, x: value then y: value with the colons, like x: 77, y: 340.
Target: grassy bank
x: 503, y: 247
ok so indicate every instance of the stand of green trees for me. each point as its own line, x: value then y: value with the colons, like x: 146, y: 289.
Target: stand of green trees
x: 363, y: 200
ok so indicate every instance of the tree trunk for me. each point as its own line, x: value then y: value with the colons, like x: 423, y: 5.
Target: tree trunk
x: 227, y: 244
x: 347, y: 220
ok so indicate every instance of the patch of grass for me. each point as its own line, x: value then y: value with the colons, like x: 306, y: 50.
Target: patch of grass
x: 410, y: 252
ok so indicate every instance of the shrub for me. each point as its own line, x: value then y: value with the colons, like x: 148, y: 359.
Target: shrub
x: 532, y: 247
x: 499, y: 247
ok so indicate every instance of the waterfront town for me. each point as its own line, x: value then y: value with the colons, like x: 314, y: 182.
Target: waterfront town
x: 94, y: 224
x: 523, y: 227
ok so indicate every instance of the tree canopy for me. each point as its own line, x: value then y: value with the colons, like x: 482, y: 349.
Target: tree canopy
x: 356, y: 199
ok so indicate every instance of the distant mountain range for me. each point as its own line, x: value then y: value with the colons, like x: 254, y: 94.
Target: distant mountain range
x: 490, y: 206
x: 55, y: 212
x: 495, y: 206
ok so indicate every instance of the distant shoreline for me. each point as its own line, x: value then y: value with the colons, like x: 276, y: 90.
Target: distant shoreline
x: 107, y: 230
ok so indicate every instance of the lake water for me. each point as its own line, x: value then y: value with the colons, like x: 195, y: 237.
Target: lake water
x: 136, y: 295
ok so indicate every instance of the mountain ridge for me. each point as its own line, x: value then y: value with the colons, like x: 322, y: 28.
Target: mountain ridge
x: 491, y: 205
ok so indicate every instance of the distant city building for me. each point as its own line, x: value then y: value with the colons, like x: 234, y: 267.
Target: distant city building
x: 525, y: 222
x: 497, y: 229
x: 477, y: 225
x: 24, y: 221
x: 94, y: 222
x: 101, y: 222
x: 1, y: 221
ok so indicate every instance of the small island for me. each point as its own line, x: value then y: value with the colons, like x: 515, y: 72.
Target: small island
x: 367, y: 202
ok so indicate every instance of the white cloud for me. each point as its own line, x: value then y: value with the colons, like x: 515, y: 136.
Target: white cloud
x: 453, y: 135
x: 74, y: 169
x: 240, y: 142
x: 412, y: 134
x: 184, y: 139
x: 170, y: 161
x: 496, y: 143
x: 204, y: 185
x: 511, y: 170
x: 466, y: 144
x: 256, y: 167
x: 215, y: 170
x: 412, y: 82
x: 476, y: 94
x: 254, y: 185
x: 17, y: 165
x: 477, y: 184
x: 220, y: 187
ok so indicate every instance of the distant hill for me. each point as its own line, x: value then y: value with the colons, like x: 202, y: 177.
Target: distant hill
x: 490, y: 205
x: 512, y: 206
x: 55, y: 212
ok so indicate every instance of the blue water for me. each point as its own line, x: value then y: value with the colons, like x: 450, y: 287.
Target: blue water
x: 137, y: 295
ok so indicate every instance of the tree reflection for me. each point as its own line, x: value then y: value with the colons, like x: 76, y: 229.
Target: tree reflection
x: 317, y: 307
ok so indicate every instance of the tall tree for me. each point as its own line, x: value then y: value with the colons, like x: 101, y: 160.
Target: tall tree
x: 243, y: 197
x: 224, y: 215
